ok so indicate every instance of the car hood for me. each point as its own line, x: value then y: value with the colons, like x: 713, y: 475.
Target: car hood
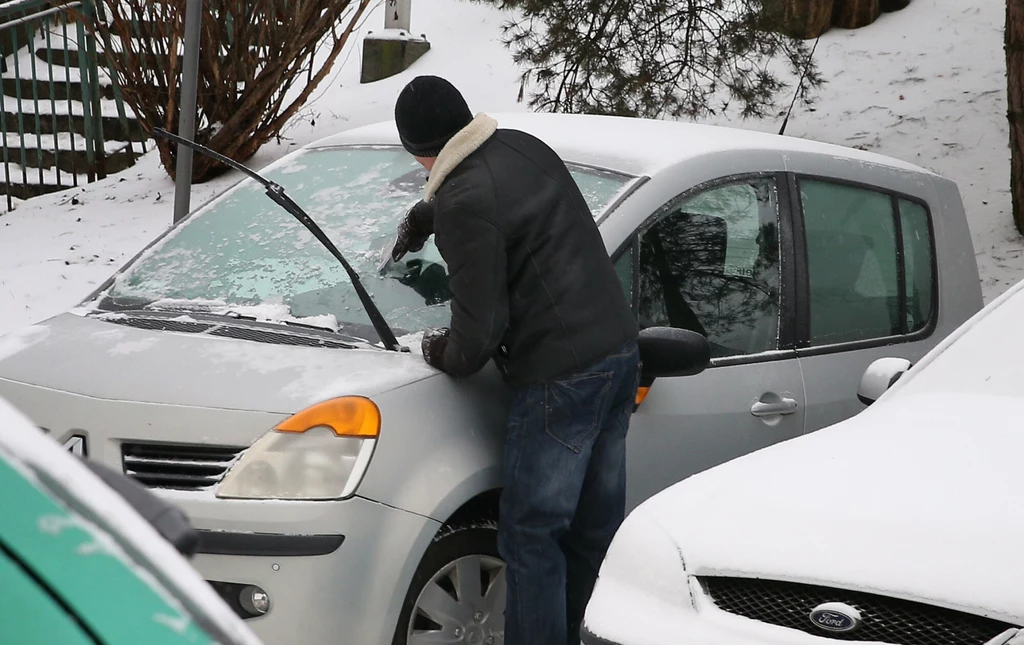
x: 107, y: 360
x: 918, y: 497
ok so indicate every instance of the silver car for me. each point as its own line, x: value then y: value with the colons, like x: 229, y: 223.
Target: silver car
x: 348, y: 493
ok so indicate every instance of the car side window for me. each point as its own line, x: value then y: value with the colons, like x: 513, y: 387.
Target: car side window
x: 869, y: 260
x: 710, y: 264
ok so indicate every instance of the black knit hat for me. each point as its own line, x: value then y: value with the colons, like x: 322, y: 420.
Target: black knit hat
x: 429, y: 112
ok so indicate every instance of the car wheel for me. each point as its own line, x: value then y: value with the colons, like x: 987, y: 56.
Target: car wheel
x: 458, y: 592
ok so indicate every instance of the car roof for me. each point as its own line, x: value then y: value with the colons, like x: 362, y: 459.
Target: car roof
x: 631, y: 145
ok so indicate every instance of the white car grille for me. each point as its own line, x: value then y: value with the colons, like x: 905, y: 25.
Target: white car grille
x: 883, y: 619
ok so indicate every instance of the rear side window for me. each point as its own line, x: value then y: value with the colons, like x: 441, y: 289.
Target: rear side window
x: 870, y: 259
x: 918, y: 260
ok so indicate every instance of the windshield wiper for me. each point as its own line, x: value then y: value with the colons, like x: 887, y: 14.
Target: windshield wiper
x: 276, y: 193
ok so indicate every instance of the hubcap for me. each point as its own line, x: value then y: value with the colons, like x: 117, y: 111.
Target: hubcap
x: 463, y: 602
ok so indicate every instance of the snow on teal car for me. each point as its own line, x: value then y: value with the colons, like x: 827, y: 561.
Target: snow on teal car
x: 79, y: 565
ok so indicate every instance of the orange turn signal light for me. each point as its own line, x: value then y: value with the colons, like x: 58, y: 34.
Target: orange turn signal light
x: 348, y: 416
x: 641, y: 394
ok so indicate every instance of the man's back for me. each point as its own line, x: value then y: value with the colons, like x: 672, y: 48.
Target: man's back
x: 532, y: 287
x: 565, y: 305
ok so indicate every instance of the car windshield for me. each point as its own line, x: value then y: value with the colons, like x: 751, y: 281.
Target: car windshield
x: 245, y: 255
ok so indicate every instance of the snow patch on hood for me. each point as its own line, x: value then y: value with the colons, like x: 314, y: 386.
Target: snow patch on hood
x: 413, y: 341
x: 278, y: 312
x: 134, y: 346
x: 274, y: 312
x: 20, y: 340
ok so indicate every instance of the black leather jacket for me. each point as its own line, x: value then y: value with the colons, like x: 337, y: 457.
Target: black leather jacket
x: 532, y: 284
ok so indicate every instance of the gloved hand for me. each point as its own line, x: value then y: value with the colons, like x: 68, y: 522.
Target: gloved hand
x: 433, y: 345
x: 414, y: 230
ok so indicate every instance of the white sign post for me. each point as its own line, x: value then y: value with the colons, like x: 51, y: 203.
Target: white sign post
x: 396, y: 49
x: 396, y: 16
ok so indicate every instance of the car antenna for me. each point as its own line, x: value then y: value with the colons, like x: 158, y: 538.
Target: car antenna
x: 796, y: 94
x: 277, y: 194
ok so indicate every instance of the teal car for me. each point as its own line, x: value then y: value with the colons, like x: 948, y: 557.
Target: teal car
x: 80, y: 566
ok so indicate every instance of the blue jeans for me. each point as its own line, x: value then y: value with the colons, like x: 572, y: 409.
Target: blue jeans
x: 564, y: 495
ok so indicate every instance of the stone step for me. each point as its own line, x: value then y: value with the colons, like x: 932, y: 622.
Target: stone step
x: 70, y: 57
x: 28, y: 191
x: 59, y: 56
x: 61, y: 90
x: 76, y: 162
x: 113, y: 129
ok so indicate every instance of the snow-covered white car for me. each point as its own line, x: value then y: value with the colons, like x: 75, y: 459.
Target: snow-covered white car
x: 233, y: 366
x: 902, y: 525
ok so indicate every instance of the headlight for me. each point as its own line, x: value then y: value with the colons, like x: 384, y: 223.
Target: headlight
x: 643, y: 581
x: 642, y: 557
x: 320, y: 453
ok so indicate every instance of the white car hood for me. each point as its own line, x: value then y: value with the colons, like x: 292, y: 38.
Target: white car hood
x: 919, y: 497
x: 96, y: 358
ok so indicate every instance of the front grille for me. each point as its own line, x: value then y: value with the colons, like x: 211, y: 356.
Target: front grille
x: 178, y: 466
x: 887, y: 620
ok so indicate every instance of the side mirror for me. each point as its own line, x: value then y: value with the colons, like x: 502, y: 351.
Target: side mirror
x: 879, y: 377
x: 168, y: 520
x: 667, y: 352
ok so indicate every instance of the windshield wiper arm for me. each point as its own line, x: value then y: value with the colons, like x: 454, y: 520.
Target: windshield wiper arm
x: 276, y: 193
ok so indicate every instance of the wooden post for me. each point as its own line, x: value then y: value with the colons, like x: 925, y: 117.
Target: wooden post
x: 801, y: 18
x: 396, y: 16
x: 1014, y: 45
x: 894, y: 5
x: 854, y: 14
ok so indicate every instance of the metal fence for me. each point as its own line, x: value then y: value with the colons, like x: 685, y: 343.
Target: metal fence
x: 63, y: 119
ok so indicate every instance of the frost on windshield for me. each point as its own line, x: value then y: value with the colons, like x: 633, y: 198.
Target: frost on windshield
x: 245, y: 251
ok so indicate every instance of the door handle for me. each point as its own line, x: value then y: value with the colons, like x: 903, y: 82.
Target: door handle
x: 785, y: 405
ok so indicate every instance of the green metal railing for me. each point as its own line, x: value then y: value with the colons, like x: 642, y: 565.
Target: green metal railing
x: 58, y: 130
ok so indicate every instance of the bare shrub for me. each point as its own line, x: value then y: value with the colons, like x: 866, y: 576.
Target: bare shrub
x: 253, y: 52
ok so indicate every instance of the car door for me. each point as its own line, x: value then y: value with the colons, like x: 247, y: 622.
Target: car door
x: 869, y: 258
x: 715, y: 260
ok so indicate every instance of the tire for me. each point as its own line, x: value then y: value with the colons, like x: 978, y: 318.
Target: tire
x: 457, y: 590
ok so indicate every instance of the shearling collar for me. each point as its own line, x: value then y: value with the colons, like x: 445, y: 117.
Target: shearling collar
x: 464, y: 143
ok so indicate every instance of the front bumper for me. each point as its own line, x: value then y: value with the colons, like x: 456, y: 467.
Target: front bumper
x: 334, y: 572
x: 620, y: 614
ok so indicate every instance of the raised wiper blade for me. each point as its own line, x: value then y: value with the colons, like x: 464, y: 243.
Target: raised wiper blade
x: 276, y: 193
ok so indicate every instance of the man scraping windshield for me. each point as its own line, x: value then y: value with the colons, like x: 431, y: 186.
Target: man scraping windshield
x: 533, y: 288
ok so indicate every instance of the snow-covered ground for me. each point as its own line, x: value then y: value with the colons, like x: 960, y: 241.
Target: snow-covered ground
x: 926, y: 85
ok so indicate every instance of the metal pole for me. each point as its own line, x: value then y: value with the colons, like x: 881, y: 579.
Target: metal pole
x: 187, y: 116
x: 396, y: 16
